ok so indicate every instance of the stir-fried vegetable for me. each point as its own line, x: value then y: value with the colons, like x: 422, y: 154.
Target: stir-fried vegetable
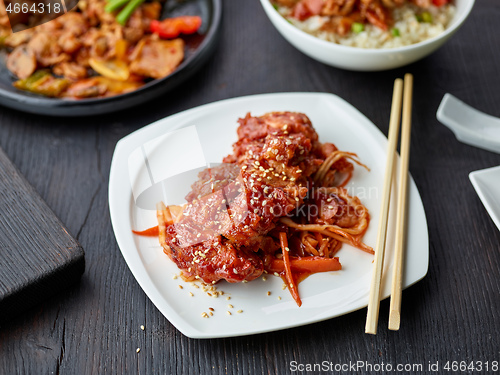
x: 125, y: 14
x: 99, y: 86
x: 424, y: 17
x: 114, y: 69
x: 129, y: 6
x: 44, y: 83
x: 357, y: 27
x: 172, y: 27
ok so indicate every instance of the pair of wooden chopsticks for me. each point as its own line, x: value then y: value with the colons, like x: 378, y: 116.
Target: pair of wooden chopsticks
x: 397, y: 279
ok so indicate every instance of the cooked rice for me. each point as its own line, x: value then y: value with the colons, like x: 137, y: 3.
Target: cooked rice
x: 411, y: 31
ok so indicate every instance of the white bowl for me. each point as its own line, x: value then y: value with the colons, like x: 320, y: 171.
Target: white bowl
x: 364, y: 59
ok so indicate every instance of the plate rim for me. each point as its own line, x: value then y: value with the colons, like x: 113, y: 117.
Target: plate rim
x: 475, y: 179
x: 133, y: 260
x: 97, y: 106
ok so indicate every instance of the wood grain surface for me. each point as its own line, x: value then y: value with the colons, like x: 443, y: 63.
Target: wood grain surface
x: 451, y: 315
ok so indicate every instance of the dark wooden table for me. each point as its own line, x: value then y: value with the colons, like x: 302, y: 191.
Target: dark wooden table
x: 451, y: 315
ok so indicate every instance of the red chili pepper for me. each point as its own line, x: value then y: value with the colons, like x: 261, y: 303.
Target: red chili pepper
x: 439, y: 3
x: 172, y: 27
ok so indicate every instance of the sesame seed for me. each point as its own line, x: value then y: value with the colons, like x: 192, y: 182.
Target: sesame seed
x: 142, y: 327
x: 264, y: 202
x: 245, y: 281
x: 239, y: 311
x: 204, y: 314
x: 198, y: 235
x: 276, y: 274
x: 211, y: 313
x: 223, y: 201
x: 228, y: 298
x: 297, y: 199
x: 299, y: 170
x: 211, y: 309
x: 191, y: 294
x: 244, y: 167
x: 330, y: 207
x: 287, y: 249
x: 283, y: 287
x: 210, y: 294
x: 329, y: 200
x: 279, y: 298
x: 230, y: 306
x: 181, y: 287
x: 174, y: 277
x: 264, y: 278
x: 137, y: 350
x: 268, y: 293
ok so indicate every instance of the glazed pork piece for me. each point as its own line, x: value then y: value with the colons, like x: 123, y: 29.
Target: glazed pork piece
x: 233, y: 206
x: 223, y: 230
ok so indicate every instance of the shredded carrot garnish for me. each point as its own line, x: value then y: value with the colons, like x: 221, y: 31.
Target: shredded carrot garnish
x: 292, y: 285
x: 151, y: 232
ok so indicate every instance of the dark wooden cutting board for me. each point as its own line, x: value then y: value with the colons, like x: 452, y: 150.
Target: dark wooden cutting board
x: 38, y: 257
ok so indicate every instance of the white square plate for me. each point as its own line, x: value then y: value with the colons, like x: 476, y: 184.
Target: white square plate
x: 487, y: 185
x: 324, y: 295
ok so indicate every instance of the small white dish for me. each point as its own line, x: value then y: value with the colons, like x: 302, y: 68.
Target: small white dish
x: 469, y: 125
x: 324, y: 295
x: 364, y: 59
x: 486, y: 182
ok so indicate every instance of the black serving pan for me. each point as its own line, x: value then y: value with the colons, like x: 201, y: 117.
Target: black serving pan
x: 199, y: 47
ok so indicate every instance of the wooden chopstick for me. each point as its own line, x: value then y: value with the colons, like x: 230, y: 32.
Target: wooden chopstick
x: 374, y: 299
x: 397, y: 278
